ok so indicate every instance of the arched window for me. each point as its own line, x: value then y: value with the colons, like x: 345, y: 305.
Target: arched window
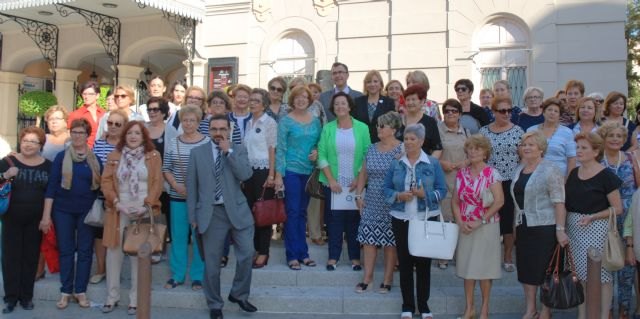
x: 292, y: 55
x: 503, y: 46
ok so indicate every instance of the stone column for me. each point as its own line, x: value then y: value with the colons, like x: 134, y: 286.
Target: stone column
x: 9, y: 82
x: 199, y: 72
x: 129, y: 74
x: 66, y: 83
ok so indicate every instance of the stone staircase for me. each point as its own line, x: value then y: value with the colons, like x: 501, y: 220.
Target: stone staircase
x: 277, y: 289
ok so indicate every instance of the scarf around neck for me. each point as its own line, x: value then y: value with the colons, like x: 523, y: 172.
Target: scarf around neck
x: 127, y: 170
x: 70, y: 157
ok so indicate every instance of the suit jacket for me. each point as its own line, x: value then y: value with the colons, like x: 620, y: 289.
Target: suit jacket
x: 201, y: 186
x: 361, y: 113
x: 325, y: 99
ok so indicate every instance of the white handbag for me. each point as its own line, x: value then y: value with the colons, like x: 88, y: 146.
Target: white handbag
x: 95, y: 217
x: 432, y: 239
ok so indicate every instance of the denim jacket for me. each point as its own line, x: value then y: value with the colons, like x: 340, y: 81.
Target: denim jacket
x: 428, y: 172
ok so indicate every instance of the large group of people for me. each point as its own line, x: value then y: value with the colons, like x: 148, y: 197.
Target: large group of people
x: 524, y: 179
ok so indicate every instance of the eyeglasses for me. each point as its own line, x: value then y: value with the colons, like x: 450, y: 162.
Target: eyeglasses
x: 278, y: 89
x: 153, y: 110
x: 120, y: 96
x: 116, y: 124
x: 255, y: 101
x: 504, y: 111
x: 88, y: 94
x: 338, y: 72
x: 450, y: 111
x: 78, y: 133
x: 195, y: 98
x: 462, y: 89
x: 55, y: 119
x: 30, y: 142
x: 216, y: 129
x: 533, y: 97
x: 381, y: 126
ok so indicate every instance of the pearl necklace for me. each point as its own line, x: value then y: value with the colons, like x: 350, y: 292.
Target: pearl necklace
x: 606, y: 162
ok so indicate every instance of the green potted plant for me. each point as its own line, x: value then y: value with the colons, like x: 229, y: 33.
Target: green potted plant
x: 36, y: 103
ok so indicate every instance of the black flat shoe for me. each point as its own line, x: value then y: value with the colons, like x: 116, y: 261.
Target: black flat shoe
x: 244, y: 304
x: 9, y: 307
x: 215, y: 314
x: 27, y: 305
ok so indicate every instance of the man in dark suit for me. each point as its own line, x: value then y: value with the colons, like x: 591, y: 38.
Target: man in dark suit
x: 339, y: 75
x: 217, y: 207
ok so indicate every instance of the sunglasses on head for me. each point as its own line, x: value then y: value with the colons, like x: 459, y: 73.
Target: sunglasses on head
x: 504, y: 111
x: 278, y: 89
x: 462, y: 89
x: 116, y: 124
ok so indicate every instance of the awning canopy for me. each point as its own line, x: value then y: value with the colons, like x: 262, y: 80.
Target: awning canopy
x: 45, y: 11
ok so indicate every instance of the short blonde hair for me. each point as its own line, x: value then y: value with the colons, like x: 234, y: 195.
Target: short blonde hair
x: 538, y: 138
x: 298, y: 90
x: 596, y: 142
x: 368, y: 78
x: 203, y: 103
x: 190, y: 109
x: 56, y: 108
x: 128, y: 90
x: 419, y: 77
x: 479, y: 141
x: 609, y: 126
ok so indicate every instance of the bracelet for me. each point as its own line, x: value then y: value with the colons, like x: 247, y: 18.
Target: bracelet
x: 358, y: 196
x: 629, y: 245
x: 560, y: 228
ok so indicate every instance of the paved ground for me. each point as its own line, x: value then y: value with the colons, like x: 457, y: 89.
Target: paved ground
x: 47, y: 309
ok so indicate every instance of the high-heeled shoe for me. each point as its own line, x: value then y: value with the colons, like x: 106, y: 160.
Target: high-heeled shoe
x: 82, y: 299
x: 64, y: 301
x: 257, y: 265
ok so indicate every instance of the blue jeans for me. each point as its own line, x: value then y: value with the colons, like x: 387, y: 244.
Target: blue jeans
x: 73, y: 236
x: 296, y: 201
x: 179, y: 252
x: 341, y: 222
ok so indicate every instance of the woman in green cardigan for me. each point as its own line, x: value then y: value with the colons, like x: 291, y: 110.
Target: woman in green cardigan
x: 341, y: 150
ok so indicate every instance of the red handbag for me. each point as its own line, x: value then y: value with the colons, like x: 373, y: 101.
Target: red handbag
x: 268, y: 212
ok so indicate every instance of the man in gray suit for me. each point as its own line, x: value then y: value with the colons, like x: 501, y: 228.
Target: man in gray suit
x: 339, y: 75
x: 217, y: 207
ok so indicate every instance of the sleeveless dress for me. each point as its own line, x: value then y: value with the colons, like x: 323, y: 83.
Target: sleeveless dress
x: 375, y: 222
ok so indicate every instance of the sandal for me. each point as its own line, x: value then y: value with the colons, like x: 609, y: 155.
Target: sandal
x: 308, y: 262
x: 294, y: 265
x: 224, y: 261
x: 332, y: 267
x: 171, y: 284
x: 384, y: 289
x: 356, y: 267
x: 509, y: 267
x: 107, y: 308
x: 131, y: 311
x: 64, y: 301
x: 443, y: 265
x: 196, y: 285
x: 83, y: 302
x: 361, y: 287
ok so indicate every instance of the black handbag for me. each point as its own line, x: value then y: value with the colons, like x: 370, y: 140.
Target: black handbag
x: 561, y: 288
x: 314, y: 187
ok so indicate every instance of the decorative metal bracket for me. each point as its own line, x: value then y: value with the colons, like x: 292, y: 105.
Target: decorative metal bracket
x: 45, y: 36
x: 185, y: 29
x: 107, y: 28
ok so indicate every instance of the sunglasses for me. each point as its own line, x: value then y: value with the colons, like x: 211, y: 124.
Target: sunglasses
x: 278, y: 89
x: 461, y: 89
x: 599, y: 101
x: 450, y: 111
x: 111, y: 123
x: 121, y: 96
x: 153, y: 109
x: 504, y: 111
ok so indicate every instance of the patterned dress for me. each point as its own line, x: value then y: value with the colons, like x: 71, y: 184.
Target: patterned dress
x: 375, y: 222
x: 624, y: 171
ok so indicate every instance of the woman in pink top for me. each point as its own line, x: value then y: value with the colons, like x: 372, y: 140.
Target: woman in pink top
x: 478, y: 251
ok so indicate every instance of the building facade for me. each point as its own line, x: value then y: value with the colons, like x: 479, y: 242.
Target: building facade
x: 529, y: 43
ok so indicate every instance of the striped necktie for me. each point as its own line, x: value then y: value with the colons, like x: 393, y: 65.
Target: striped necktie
x: 218, y: 173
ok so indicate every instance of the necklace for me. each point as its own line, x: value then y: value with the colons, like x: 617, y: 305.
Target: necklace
x: 606, y: 162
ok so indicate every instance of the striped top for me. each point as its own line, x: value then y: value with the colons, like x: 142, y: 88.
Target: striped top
x: 102, y: 149
x: 176, y: 160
